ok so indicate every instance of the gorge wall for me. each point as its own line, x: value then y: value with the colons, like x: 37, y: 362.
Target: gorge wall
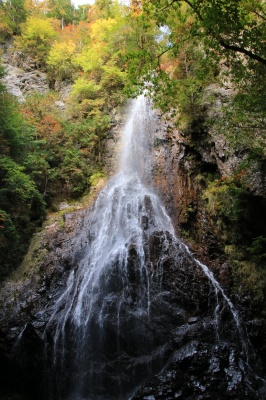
x: 184, y: 165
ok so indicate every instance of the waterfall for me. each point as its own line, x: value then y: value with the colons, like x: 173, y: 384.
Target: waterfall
x: 111, y: 327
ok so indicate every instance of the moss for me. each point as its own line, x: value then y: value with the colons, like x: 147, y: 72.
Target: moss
x: 33, y: 259
x: 248, y: 278
x: 95, y: 178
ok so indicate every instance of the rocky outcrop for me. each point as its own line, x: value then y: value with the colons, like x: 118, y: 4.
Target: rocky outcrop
x: 24, y: 76
x: 200, y: 371
x: 19, y: 82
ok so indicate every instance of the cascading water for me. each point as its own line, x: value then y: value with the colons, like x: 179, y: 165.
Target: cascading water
x: 111, y: 328
x: 102, y: 318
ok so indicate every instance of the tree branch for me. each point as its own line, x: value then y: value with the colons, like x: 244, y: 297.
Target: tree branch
x: 165, y: 51
x: 259, y: 15
x: 242, y: 50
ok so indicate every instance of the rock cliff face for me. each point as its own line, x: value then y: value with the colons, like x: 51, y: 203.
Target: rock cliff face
x: 184, y: 165
x: 23, y: 76
x: 196, y: 365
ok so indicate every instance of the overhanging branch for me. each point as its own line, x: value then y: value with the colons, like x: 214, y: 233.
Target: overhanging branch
x: 242, y: 50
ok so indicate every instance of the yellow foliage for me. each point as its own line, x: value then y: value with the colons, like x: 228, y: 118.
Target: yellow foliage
x: 84, y: 88
x: 38, y: 28
x: 91, y: 57
x: 36, y: 38
x: 102, y: 29
x: 61, y: 53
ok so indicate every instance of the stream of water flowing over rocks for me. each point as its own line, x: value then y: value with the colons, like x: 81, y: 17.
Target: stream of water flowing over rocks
x: 130, y: 313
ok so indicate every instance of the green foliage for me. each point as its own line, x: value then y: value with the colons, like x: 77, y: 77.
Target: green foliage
x: 22, y: 205
x: 233, y: 210
x: 227, y: 200
x: 65, y: 152
x: 14, y: 133
x: 12, y: 14
x: 248, y: 278
x: 243, y: 119
x: 112, y: 77
x: 197, y: 37
x: 231, y: 29
x: 47, y: 154
x: 84, y: 89
x: 105, y: 7
x: 95, y: 178
x: 9, y: 240
x: 73, y: 171
x: 63, y: 10
x: 14, y: 182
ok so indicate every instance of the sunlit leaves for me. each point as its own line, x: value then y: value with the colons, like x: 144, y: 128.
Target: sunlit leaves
x: 92, y: 57
x: 113, y: 77
x: 60, y: 59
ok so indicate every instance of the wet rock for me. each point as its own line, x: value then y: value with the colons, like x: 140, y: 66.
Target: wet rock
x: 199, y: 371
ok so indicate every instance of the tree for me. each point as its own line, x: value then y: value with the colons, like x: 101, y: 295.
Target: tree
x: 12, y: 14
x: 233, y: 29
x: 21, y: 203
x: 9, y: 239
x: 196, y: 37
x: 60, y: 59
x: 63, y: 10
x: 15, y: 134
x: 105, y: 7
x: 36, y: 38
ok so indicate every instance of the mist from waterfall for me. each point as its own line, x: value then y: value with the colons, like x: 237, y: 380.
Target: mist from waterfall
x: 107, y: 334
